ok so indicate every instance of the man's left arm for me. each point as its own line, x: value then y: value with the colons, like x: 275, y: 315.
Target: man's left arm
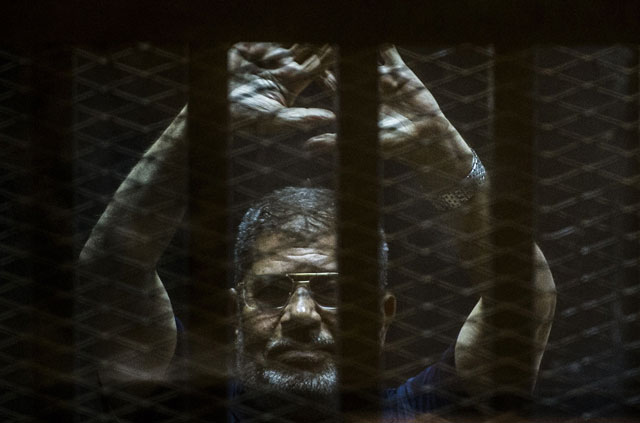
x: 474, y: 348
x: 414, y: 130
x: 444, y: 163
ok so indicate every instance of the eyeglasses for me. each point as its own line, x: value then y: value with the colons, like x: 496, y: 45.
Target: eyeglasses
x: 272, y: 292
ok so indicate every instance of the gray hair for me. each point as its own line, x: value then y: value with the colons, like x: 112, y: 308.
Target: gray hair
x: 299, y: 213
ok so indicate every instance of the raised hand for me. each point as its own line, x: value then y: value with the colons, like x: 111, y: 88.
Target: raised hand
x: 266, y: 79
x: 413, y: 129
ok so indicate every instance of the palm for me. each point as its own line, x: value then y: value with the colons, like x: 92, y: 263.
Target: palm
x: 409, y: 115
x: 413, y: 129
x: 267, y: 78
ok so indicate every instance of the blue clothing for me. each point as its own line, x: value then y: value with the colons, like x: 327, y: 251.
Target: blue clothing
x: 429, y: 391
x: 426, y: 392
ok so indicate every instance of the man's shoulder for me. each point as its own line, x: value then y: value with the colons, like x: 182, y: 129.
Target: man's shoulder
x: 431, y: 389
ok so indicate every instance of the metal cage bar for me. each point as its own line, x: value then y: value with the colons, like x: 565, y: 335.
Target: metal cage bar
x: 631, y: 248
x: 359, y: 230
x: 50, y: 212
x: 210, y: 246
x: 512, y: 219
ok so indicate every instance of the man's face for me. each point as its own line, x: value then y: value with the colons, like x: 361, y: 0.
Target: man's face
x: 290, y: 348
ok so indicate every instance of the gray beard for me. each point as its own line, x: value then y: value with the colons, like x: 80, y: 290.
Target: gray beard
x: 297, y: 382
x: 311, y: 393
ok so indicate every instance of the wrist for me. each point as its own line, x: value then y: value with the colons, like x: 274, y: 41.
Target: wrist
x: 459, y: 193
x: 174, y: 136
x: 444, y: 160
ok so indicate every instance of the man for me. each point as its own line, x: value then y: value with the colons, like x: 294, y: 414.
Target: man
x: 285, y: 262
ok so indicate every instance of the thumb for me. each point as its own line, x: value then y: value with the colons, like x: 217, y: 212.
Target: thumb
x: 390, y: 55
x: 302, y: 118
x: 323, y: 142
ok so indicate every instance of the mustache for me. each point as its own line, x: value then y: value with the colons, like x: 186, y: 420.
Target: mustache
x: 324, y: 343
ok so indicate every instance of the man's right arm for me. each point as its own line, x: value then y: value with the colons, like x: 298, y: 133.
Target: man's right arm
x: 131, y: 315
x: 132, y: 320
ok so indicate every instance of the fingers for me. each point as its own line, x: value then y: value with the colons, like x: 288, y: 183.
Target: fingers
x: 301, y: 118
x: 329, y: 81
x: 255, y: 50
x: 275, y: 122
x: 295, y: 77
x: 235, y: 57
x: 390, y: 142
x: 273, y: 55
x: 319, y: 61
x: 324, y: 142
x: 263, y: 55
x: 390, y: 55
x: 306, y: 54
x: 277, y: 55
x: 300, y: 52
x: 394, y: 73
x: 316, y: 67
x: 395, y: 138
x: 396, y: 130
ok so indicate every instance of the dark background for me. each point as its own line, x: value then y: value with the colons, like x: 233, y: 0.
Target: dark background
x: 124, y: 94
x: 585, y: 205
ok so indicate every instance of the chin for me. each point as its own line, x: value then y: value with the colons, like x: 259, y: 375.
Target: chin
x: 313, y: 392
x: 319, y: 382
x: 313, y: 378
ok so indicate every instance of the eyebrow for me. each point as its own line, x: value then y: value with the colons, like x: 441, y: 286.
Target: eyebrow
x: 308, y: 269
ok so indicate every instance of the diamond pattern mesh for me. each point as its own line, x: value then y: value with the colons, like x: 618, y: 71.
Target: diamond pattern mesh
x: 586, y: 223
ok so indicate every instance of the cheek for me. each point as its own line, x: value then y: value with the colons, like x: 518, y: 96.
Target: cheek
x: 258, y: 327
x: 330, y: 320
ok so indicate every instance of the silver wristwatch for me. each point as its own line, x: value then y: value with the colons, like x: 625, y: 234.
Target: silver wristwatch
x: 460, y: 194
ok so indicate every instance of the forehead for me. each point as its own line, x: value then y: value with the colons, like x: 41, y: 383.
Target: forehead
x: 277, y: 253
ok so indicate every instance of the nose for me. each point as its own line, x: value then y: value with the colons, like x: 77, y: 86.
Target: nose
x: 300, y: 318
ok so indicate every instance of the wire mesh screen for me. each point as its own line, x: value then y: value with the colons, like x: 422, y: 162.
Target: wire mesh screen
x: 584, y: 211
x: 587, y: 223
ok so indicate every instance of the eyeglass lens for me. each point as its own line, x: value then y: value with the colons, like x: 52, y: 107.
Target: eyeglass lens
x: 273, y: 291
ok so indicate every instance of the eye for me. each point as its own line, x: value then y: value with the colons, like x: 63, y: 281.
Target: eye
x: 325, y: 290
x: 270, y: 291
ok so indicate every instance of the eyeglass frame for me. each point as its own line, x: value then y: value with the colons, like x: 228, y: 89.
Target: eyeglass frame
x: 294, y: 285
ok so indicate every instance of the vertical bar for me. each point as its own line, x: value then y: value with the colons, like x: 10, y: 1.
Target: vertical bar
x: 624, y: 226
x: 512, y: 211
x: 210, y: 258
x: 50, y: 211
x: 358, y: 232
x: 16, y: 283
x: 631, y: 254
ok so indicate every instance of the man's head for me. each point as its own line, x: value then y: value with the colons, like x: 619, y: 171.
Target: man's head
x: 285, y: 264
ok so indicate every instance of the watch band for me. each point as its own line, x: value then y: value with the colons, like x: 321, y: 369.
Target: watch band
x: 460, y: 194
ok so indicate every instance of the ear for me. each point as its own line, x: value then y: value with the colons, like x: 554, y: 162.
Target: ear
x: 233, y: 304
x: 388, y: 307
x: 388, y: 313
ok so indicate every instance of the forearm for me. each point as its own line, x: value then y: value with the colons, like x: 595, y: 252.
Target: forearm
x: 148, y: 206
x: 441, y: 158
x: 473, y: 231
x: 414, y: 130
x: 132, y: 320
x: 478, y: 346
x: 469, y: 222
x: 475, y: 347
